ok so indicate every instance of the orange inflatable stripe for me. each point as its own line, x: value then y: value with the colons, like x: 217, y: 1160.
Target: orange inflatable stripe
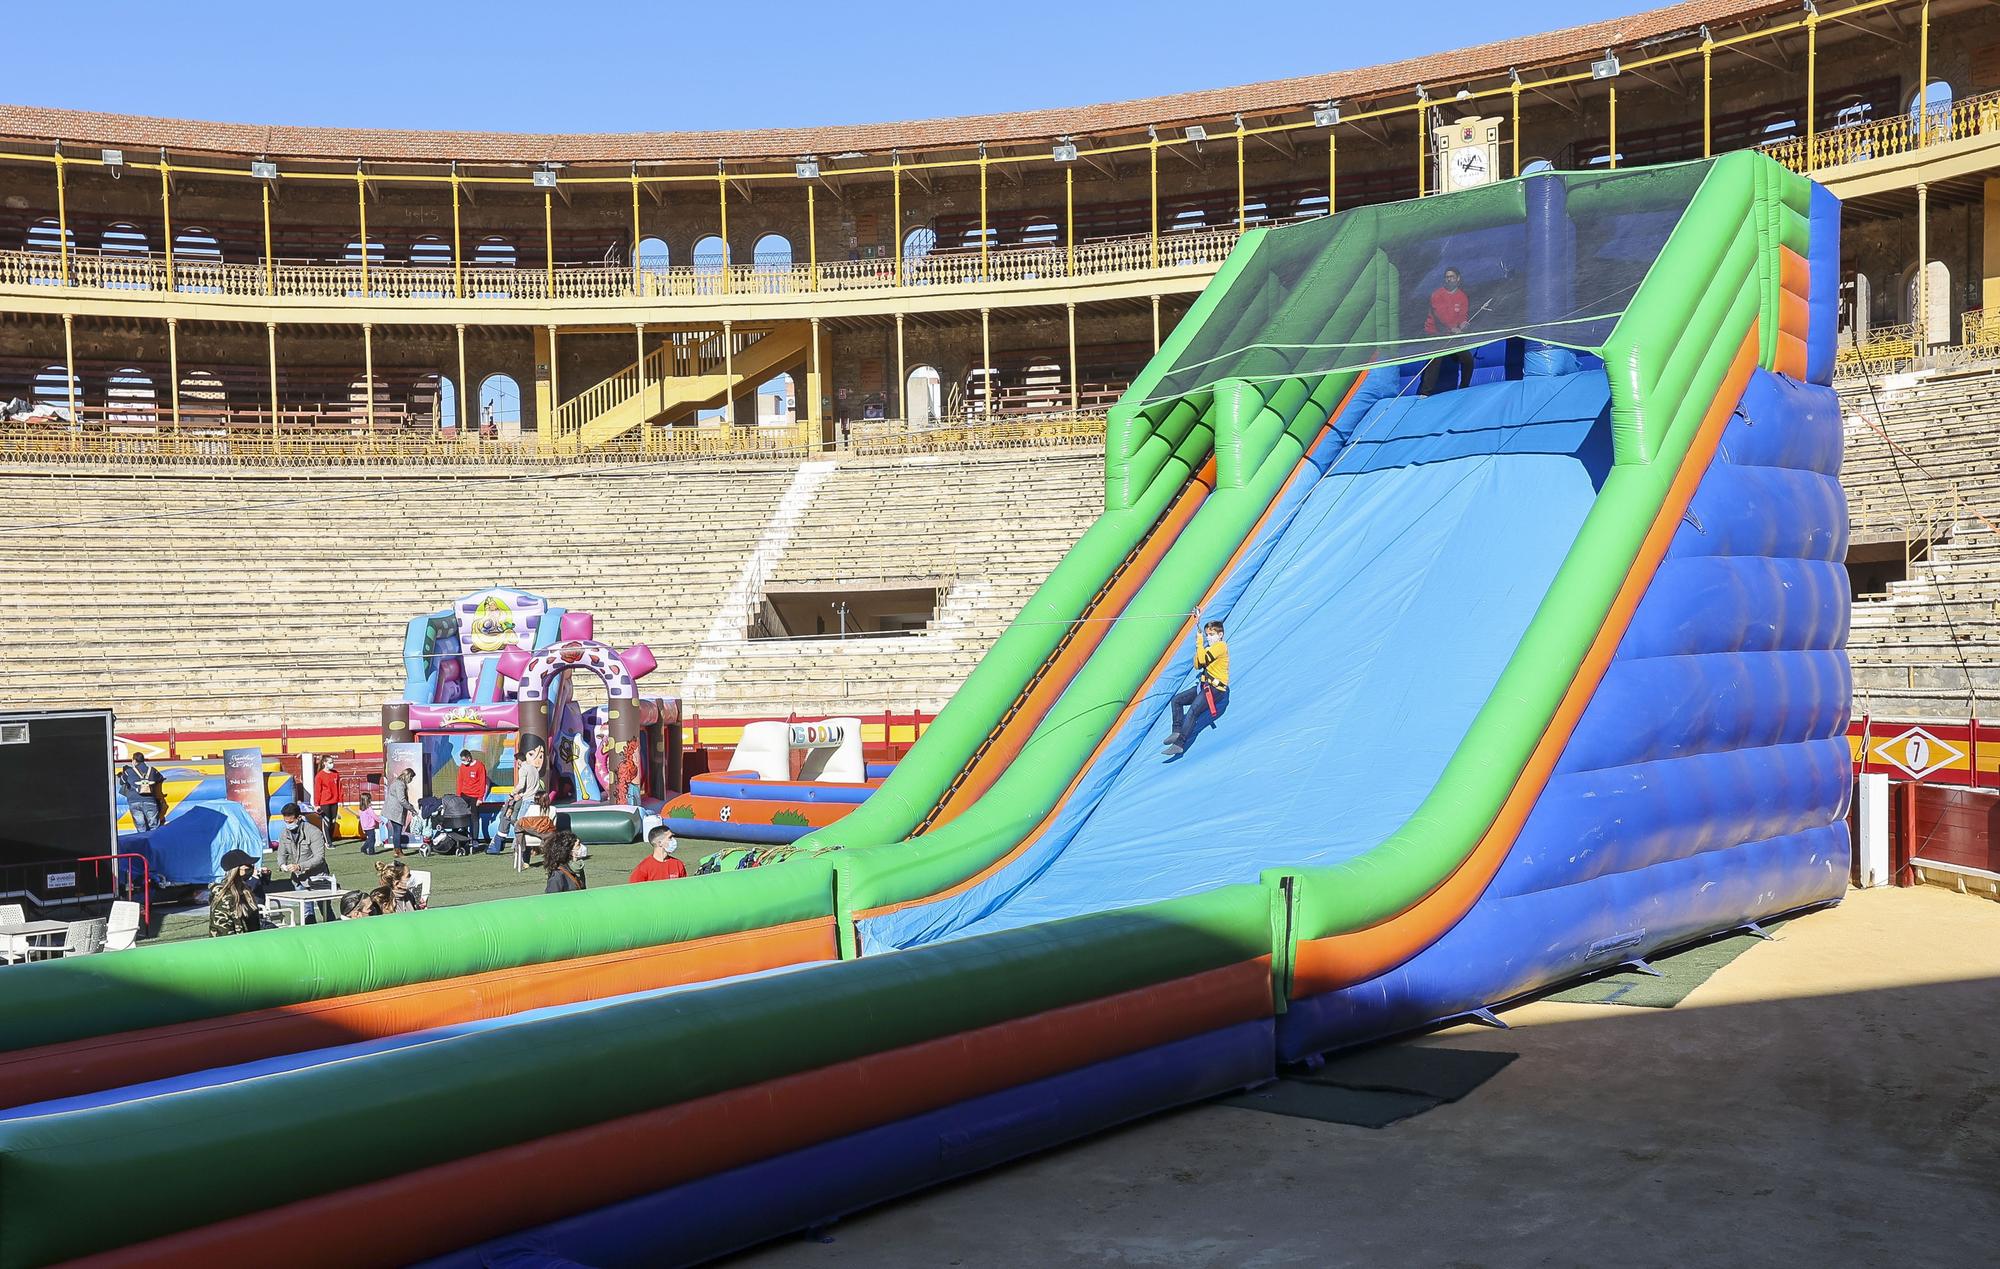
x: 1342, y: 960
x: 133, y: 1057
x: 466, y: 1201
x: 1159, y: 667
x: 1008, y: 746
x: 1794, y: 271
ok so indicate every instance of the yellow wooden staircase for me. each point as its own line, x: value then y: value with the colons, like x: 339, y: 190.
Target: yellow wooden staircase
x: 691, y: 371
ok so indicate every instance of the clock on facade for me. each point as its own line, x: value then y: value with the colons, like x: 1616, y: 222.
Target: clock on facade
x: 1467, y: 153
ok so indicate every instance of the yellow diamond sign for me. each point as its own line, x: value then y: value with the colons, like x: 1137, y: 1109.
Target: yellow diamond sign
x: 1917, y: 753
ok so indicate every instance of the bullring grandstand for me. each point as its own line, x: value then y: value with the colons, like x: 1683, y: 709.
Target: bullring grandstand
x: 1582, y: 440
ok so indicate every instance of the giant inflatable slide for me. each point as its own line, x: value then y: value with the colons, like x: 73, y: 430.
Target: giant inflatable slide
x: 1531, y: 679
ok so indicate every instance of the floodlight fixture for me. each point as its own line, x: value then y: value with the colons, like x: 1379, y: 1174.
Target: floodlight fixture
x: 1326, y: 114
x: 264, y: 170
x: 1195, y: 132
x: 1465, y: 94
x: 544, y: 177
x: 114, y: 158
x: 1605, y: 67
x: 1065, y: 150
x: 806, y: 167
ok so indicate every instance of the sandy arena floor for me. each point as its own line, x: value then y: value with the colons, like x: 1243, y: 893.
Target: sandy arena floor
x: 1828, y: 1099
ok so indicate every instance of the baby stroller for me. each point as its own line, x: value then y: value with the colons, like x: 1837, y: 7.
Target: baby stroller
x: 455, y: 816
x: 424, y: 825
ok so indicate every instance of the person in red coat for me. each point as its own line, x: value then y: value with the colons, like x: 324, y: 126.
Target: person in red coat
x: 326, y: 796
x: 472, y: 784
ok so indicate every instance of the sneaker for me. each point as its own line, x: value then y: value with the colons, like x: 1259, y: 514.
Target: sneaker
x: 1172, y: 749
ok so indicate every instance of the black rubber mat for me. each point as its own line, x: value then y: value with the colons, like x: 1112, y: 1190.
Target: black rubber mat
x: 1332, y: 1104
x: 1445, y: 1074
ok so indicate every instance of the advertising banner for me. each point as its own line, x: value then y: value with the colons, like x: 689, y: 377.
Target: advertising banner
x: 243, y: 780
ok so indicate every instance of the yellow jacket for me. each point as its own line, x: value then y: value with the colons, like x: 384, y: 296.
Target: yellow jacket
x: 1212, y: 659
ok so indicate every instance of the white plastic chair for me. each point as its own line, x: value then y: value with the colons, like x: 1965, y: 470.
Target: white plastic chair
x: 83, y: 938
x: 123, y: 932
x: 13, y: 914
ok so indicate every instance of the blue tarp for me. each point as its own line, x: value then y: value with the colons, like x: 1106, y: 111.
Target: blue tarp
x: 187, y: 850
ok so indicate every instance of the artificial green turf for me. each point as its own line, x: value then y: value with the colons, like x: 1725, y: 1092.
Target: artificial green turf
x: 457, y: 879
x: 1680, y: 974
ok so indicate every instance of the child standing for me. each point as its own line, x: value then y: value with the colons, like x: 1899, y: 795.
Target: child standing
x: 369, y: 823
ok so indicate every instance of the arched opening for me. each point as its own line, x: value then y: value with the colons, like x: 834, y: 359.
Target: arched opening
x: 777, y: 406
x: 430, y: 251
x: 55, y: 386
x: 654, y: 257
x: 434, y: 403
x: 710, y: 254
x: 1041, y: 229
x: 772, y: 252
x: 1044, y: 386
x: 1934, y: 304
x: 123, y: 239
x: 923, y: 396
x: 972, y: 236
x: 499, y: 408
x: 1256, y: 209
x: 359, y: 398
x: 47, y: 236
x: 374, y: 252
x: 1311, y: 206
x: 195, y: 247
x: 1187, y: 219
x: 982, y: 391
x: 1533, y: 166
x: 204, y: 398
x: 129, y: 397
x: 1931, y: 109
x: 919, y: 242
x: 492, y: 254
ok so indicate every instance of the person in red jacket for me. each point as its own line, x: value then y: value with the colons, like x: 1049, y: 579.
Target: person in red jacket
x: 1450, y: 313
x: 326, y: 796
x: 661, y: 864
x: 472, y: 786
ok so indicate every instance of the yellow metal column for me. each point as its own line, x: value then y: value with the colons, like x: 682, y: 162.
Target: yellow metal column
x: 902, y: 405
x: 549, y: 241
x: 722, y: 197
x: 1153, y: 186
x: 896, y: 210
x: 1707, y: 93
x: 1240, y: 196
x: 1069, y: 221
x: 555, y: 379
x: 983, y: 245
x: 1075, y: 388
x: 1156, y: 323
x: 1923, y: 81
x: 464, y: 388
x: 1332, y: 168
x: 729, y: 372
x: 1612, y: 154
x: 368, y: 371
x: 1812, y: 80
x: 62, y: 221
x: 813, y: 381
x: 167, y: 218
x: 1514, y: 92
x: 174, y: 371
x: 1423, y: 150
x: 69, y: 367
x: 986, y: 362
x: 812, y: 237
x: 645, y: 415
x: 270, y: 267
x: 457, y: 256
x: 361, y: 201
x: 637, y: 278
x: 271, y: 352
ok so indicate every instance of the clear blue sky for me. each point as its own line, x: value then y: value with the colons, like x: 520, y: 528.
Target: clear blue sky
x: 580, y: 65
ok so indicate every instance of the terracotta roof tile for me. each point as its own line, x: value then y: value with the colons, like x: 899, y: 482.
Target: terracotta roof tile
x: 1568, y: 45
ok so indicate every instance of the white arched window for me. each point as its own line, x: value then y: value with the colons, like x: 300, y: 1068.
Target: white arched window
x: 499, y: 406
x: 654, y: 257
x: 923, y: 396
x: 129, y: 397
